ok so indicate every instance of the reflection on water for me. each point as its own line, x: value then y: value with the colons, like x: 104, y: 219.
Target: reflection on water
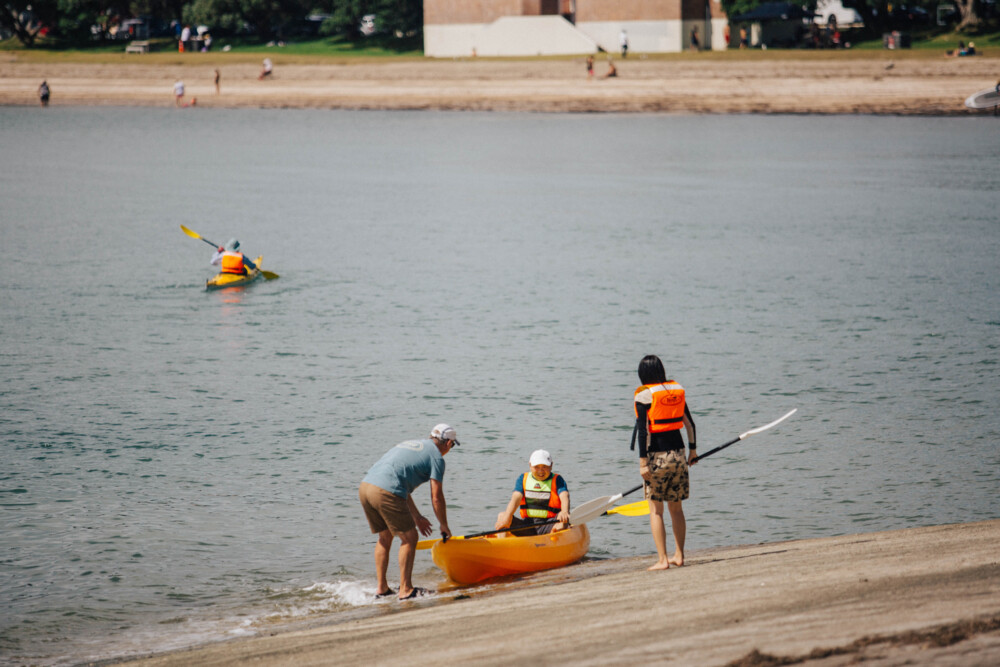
x: 182, y: 466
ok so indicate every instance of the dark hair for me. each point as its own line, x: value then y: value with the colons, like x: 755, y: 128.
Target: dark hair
x: 651, y: 370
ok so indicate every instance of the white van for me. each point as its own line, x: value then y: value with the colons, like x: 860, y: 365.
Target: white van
x: 832, y: 10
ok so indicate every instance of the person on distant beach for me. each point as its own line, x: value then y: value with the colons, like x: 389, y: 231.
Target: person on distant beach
x: 43, y: 93
x: 612, y: 71
x: 265, y: 69
x: 178, y: 92
x: 590, y: 67
x: 231, y: 260
x: 744, y: 40
x: 661, y: 411
x: 962, y: 50
x: 218, y: 77
x: 623, y: 42
x: 541, y: 495
x: 184, y: 39
x: 695, y: 42
x: 386, y: 496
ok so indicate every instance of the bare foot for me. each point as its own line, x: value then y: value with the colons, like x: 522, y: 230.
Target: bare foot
x: 677, y: 560
x: 659, y: 565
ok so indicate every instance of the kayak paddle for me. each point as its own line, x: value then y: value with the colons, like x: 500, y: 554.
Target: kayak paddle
x: 641, y: 508
x: 588, y: 511
x: 744, y: 435
x: 268, y: 275
x: 638, y: 508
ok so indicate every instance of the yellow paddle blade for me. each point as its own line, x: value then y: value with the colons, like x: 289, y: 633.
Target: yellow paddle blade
x: 271, y: 275
x: 427, y: 544
x: 190, y: 233
x: 640, y: 508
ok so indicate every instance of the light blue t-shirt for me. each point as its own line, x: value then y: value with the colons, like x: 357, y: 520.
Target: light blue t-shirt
x: 406, y: 466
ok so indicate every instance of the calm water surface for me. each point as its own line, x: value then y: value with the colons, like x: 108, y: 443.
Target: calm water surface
x: 179, y: 466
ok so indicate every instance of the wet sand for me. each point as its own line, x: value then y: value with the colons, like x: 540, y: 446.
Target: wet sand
x: 870, y: 83
x: 922, y: 596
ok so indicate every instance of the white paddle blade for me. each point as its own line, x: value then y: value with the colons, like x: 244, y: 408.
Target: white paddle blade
x: 592, y: 509
x: 767, y: 426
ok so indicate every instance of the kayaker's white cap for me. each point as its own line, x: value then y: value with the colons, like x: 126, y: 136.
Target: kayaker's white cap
x: 444, y: 432
x: 540, y: 457
x: 232, y: 245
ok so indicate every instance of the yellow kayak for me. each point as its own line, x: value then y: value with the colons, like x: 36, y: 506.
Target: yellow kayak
x: 475, y: 559
x: 234, y: 280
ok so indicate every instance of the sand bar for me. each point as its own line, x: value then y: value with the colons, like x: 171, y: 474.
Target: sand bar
x: 919, y: 596
x: 870, y: 83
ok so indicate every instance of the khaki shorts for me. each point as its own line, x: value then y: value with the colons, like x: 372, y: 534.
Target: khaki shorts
x: 669, y: 471
x: 384, y: 510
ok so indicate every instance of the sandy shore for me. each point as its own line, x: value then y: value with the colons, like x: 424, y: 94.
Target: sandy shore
x: 877, y: 83
x: 918, y: 597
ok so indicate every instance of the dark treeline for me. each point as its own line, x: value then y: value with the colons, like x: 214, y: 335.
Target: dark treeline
x: 79, y: 21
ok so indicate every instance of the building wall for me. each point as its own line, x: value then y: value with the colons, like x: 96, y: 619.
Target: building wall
x: 643, y: 36
x: 627, y: 10
x: 451, y: 27
x: 450, y: 12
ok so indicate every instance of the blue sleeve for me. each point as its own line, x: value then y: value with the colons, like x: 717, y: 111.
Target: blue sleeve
x: 246, y: 260
x: 519, y: 485
x: 437, y: 469
x: 561, y: 485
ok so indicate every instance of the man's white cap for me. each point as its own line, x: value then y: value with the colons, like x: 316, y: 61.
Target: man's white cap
x: 444, y: 432
x: 540, y: 457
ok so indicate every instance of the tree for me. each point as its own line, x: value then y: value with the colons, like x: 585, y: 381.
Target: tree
x: 262, y: 16
x: 391, y: 16
x: 27, y: 18
x: 967, y: 10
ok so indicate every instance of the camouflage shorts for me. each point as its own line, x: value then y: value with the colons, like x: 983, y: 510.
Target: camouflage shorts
x: 669, y: 471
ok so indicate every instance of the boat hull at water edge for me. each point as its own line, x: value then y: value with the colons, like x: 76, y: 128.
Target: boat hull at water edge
x: 474, y: 560
x: 224, y: 280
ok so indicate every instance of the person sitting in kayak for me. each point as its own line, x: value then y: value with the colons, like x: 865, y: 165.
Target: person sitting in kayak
x: 541, y: 495
x: 231, y: 259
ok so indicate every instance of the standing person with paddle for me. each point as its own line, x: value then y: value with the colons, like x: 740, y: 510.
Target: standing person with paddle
x: 660, y: 412
x: 231, y: 260
x: 386, y: 496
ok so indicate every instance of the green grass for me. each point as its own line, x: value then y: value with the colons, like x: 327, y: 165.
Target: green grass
x: 935, y: 39
x: 925, y: 43
x: 165, y: 50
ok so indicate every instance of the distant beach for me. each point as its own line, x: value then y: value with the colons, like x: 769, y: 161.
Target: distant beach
x: 919, y: 596
x: 845, y: 83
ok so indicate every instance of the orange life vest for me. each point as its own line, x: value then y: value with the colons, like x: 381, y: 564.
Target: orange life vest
x: 666, y: 411
x: 540, y: 499
x: 232, y: 262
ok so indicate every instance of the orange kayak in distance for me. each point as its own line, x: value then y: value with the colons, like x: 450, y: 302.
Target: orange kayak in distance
x: 480, y: 558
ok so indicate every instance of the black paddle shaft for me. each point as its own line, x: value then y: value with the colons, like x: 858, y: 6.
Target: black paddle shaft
x: 208, y: 242
x: 717, y: 449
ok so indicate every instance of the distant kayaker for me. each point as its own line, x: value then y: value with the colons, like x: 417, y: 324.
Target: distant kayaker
x: 660, y: 412
x: 386, y: 496
x: 541, y: 495
x: 231, y: 260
